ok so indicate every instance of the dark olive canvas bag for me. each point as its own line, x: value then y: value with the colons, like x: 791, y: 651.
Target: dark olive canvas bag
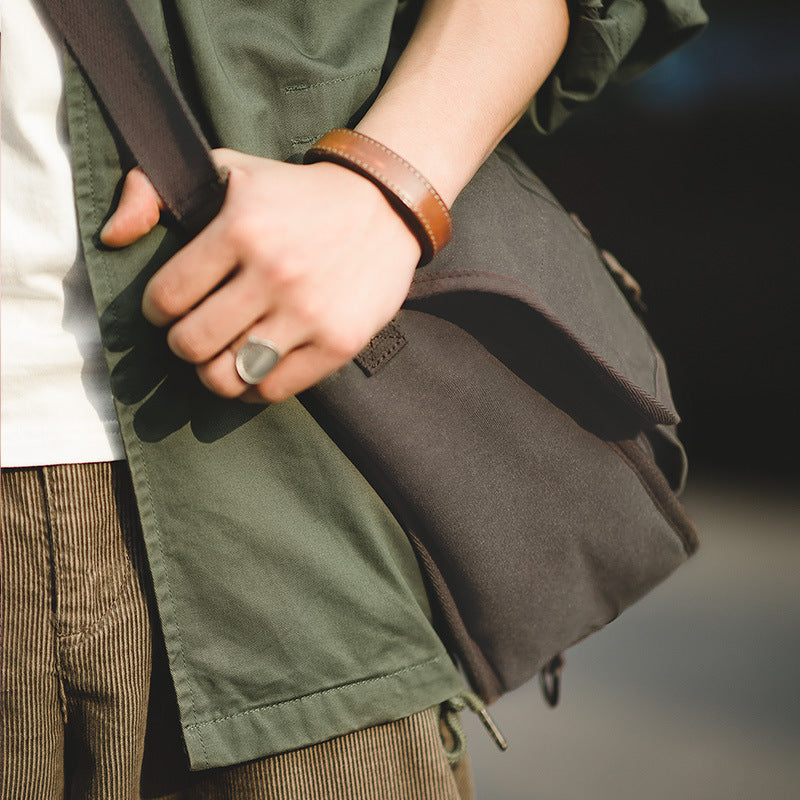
x: 516, y: 416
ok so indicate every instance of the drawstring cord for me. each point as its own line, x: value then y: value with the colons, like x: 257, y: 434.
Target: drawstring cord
x: 549, y: 681
x: 450, y: 716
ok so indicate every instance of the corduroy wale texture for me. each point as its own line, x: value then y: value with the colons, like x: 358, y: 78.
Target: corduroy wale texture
x: 77, y: 660
x: 76, y: 637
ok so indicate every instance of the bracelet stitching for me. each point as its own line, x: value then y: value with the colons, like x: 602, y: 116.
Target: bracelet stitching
x: 406, y: 164
x: 397, y: 190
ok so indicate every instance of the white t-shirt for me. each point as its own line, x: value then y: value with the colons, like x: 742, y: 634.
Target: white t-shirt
x: 56, y: 404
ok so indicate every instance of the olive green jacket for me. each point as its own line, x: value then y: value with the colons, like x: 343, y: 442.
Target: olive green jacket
x: 290, y: 601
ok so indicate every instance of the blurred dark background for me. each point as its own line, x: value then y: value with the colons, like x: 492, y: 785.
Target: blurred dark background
x: 690, y: 176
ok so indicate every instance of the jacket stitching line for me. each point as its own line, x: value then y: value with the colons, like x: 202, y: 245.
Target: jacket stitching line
x: 93, y: 200
x: 179, y: 637
x: 321, y: 693
x: 144, y: 464
x: 302, y: 87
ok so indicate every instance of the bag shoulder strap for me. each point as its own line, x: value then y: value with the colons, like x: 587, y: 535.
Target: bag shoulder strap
x: 108, y: 42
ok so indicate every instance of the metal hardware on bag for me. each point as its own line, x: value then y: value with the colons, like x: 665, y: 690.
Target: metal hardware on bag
x: 550, y: 680
x: 628, y: 285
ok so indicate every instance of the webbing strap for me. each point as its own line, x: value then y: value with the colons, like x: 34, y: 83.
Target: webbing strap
x: 148, y: 110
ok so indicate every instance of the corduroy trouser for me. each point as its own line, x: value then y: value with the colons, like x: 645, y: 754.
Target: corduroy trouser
x: 84, y: 678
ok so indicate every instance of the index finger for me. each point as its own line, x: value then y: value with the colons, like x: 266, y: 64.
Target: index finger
x: 189, y: 276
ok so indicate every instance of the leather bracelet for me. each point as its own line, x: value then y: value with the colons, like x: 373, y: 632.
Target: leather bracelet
x: 408, y: 192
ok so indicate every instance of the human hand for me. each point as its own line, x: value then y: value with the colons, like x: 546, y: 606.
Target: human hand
x: 312, y: 258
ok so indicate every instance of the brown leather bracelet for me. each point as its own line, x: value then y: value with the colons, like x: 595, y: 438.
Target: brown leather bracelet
x: 409, y: 193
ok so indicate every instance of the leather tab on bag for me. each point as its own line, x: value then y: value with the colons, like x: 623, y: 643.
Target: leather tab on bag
x: 381, y: 349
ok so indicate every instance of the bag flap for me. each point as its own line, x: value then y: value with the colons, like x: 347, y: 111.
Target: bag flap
x: 513, y: 239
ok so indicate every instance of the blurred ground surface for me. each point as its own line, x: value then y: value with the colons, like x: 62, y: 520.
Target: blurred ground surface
x: 693, y: 693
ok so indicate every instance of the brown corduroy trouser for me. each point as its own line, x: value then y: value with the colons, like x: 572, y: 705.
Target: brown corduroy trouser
x: 79, y: 672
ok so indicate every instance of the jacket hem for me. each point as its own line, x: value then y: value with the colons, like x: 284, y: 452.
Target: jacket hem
x: 313, y: 718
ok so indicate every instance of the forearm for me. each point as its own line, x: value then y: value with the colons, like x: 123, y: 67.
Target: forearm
x: 467, y: 75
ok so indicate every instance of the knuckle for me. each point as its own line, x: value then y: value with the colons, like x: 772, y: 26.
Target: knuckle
x: 135, y: 180
x: 268, y: 393
x: 244, y: 233
x: 151, y: 215
x: 222, y: 154
x: 345, y: 344
x: 283, y: 272
x: 188, y: 344
x: 307, y: 310
x: 164, y: 298
x: 222, y: 385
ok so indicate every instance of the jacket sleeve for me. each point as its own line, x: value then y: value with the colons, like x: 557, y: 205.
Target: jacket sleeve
x: 611, y: 40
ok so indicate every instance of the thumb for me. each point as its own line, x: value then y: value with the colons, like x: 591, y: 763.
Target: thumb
x: 138, y: 211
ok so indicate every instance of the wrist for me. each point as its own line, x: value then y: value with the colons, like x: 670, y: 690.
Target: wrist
x: 408, y: 192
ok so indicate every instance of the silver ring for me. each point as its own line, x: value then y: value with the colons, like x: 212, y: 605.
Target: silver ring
x: 256, y: 359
